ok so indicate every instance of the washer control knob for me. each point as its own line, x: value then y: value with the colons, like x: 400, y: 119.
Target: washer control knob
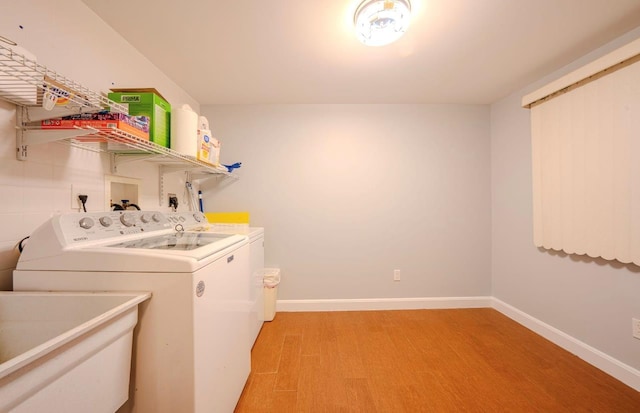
x: 86, y: 223
x: 146, y: 218
x: 106, y: 221
x: 156, y: 217
x: 197, y: 217
x: 128, y: 219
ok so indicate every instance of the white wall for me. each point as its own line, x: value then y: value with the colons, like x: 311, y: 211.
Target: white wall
x: 69, y: 38
x: 348, y: 193
x: 592, y: 300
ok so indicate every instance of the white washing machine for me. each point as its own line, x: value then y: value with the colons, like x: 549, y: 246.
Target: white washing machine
x: 197, y: 222
x: 190, y: 345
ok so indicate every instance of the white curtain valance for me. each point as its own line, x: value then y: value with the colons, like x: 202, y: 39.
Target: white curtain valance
x: 586, y: 168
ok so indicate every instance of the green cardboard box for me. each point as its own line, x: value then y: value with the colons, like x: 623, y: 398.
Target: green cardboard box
x: 148, y: 102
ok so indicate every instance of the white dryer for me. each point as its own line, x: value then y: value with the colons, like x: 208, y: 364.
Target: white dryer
x: 197, y: 222
x: 190, y: 346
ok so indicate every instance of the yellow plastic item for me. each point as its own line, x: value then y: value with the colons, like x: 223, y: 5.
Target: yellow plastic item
x: 227, y: 217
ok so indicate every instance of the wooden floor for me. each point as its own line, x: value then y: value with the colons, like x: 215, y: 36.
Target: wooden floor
x: 468, y: 360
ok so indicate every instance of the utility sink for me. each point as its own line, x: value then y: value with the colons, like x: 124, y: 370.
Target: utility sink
x: 66, y: 351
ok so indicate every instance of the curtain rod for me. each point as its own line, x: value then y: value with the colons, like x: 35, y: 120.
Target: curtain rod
x: 609, y: 63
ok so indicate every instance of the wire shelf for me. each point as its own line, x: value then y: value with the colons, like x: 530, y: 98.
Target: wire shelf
x: 124, y: 144
x: 26, y: 83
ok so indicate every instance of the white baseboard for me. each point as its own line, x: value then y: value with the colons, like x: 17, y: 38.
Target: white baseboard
x: 615, y: 368
x: 364, y: 304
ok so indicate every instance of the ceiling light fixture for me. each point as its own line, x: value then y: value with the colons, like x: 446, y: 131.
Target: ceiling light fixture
x: 380, y: 22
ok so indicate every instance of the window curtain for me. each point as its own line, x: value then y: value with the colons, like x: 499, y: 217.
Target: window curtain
x: 586, y: 168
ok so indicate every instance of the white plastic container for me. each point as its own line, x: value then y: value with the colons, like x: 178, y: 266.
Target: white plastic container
x: 271, y: 279
x: 184, y: 130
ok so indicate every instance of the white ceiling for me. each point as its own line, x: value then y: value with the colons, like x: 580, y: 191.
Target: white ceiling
x: 304, y: 51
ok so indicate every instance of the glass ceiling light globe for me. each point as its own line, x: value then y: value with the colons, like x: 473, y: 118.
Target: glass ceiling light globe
x: 380, y: 22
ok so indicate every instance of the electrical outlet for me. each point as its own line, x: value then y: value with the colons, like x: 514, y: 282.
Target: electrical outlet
x: 75, y: 191
x: 636, y: 327
x: 173, y: 200
x: 396, y: 275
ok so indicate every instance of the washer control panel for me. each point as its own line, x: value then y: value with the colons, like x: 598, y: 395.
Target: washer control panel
x: 91, y: 226
x: 188, y: 220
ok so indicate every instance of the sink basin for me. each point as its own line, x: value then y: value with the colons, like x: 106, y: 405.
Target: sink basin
x: 66, y: 352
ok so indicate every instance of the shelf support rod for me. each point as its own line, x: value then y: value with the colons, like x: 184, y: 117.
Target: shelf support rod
x: 160, y: 188
x: 21, y: 145
x: 166, y: 169
x: 113, y: 162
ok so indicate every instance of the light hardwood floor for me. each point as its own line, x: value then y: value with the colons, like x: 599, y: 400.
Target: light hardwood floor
x: 467, y: 360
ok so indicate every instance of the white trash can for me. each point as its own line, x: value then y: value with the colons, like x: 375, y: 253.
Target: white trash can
x: 270, y: 280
